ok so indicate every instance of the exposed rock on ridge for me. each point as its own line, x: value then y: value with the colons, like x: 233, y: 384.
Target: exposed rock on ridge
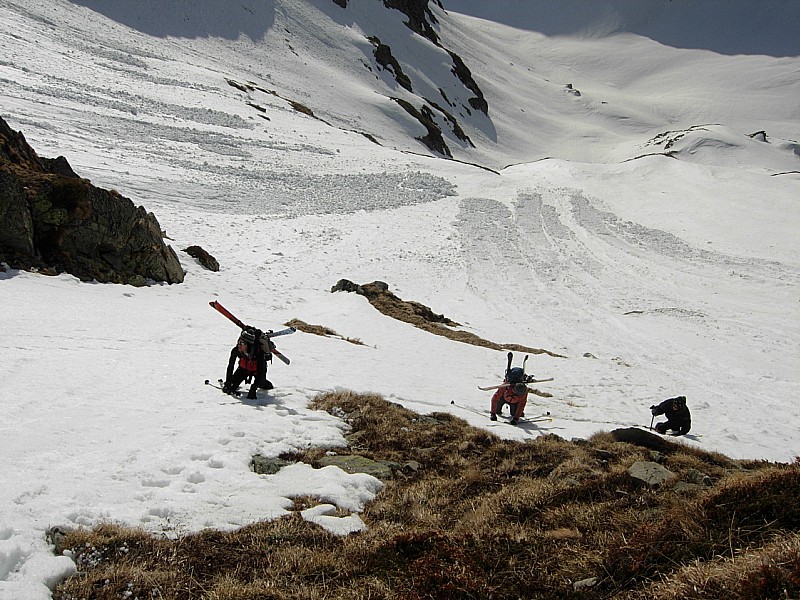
x: 428, y: 112
x: 383, y: 56
x: 418, y: 15
x: 50, y: 218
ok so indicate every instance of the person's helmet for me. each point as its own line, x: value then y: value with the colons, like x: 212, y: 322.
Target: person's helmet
x: 516, y: 375
x: 519, y: 388
x: 248, y: 337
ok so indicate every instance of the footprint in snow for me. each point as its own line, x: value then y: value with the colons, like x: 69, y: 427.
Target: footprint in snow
x: 154, y: 482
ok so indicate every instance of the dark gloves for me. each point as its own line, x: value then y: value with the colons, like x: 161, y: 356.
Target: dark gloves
x: 227, y: 388
x: 654, y: 410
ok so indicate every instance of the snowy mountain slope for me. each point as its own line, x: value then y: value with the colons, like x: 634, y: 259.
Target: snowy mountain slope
x: 653, y: 276
x: 319, y: 55
x: 623, y: 89
x: 722, y: 26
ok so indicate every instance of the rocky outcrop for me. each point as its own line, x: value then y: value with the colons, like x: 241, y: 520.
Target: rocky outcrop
x: 460, y: 70
x: 50, y: 218
x: 645, y: 439
x: 384, y: 58
x: 439, y: 121
x: 419, y: 16
x: 349, y: 463
x: 650, y: 474
x: 421, y: 21
x: 433, y: 139
x: 203, y: 257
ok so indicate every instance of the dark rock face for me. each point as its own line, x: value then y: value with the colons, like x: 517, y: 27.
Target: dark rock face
x: 418, y: 14
x: 645, y: 439
x: 421, y: 21
x: 383, y: 57
x: 203, y: 257
x: 439, y: 121
x: 433, y: 140
x: 50, y: 218
x: 345, y: 285
x: 463, y: 73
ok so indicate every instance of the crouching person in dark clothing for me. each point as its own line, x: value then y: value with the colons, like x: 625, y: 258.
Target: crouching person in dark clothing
x: 252, y: 365
x: 679, y: 419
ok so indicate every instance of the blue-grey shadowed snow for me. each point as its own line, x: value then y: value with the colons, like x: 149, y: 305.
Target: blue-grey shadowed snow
x: 725, y: 26
x: 189, y: 19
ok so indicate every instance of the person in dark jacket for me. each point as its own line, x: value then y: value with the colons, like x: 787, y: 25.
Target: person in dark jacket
x: 679, y: 419
x: 252, y: 364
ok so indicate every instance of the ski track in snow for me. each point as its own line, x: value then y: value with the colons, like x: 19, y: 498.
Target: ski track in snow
x: 571, y: 257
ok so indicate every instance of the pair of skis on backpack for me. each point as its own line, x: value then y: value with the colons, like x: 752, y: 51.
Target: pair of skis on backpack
x: 268, y: 335
x: 528, y: 379
x: 524, y: 379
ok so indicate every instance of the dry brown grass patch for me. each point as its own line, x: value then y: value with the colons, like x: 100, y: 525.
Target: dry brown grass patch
x: 767, y: 572
x: 481, y: 517
x: 320, y: 330
x: 422, y: 317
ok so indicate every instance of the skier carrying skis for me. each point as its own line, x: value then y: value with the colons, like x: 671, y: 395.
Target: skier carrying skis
x: 679, y: 419
x: 514, y: 392
x: 252, y: 363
